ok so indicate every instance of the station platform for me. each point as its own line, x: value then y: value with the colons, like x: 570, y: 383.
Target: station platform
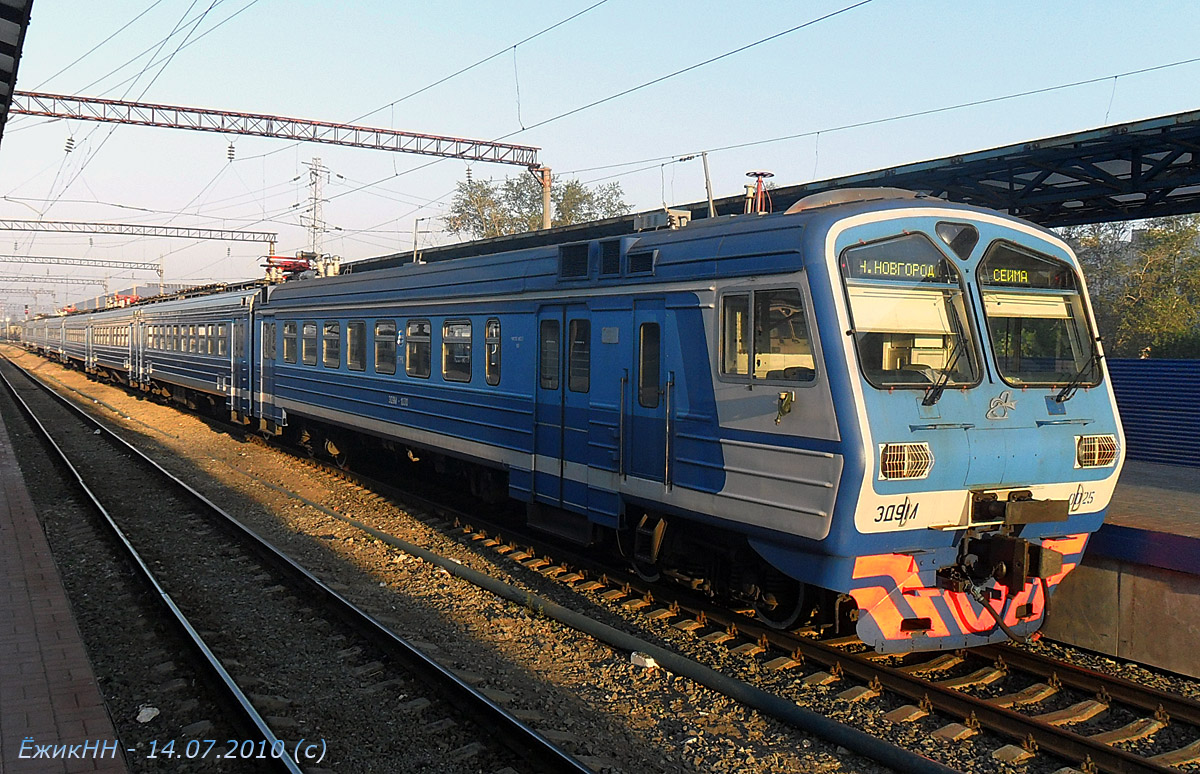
x: 52, y: 716
x: 1137, y: 594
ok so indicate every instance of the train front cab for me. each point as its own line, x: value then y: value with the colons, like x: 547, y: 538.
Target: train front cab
x: 990, y: 445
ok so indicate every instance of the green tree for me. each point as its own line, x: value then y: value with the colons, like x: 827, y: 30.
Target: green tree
x: 1144, y: 284
x: 484, y: 208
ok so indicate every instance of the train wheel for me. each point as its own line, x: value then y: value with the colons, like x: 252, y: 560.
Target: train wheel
x: 782, y: 603
x: 647, y: 572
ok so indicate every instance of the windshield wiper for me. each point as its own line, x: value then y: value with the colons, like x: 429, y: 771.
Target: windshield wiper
x: 934, y: 393
x: 1066, y: 393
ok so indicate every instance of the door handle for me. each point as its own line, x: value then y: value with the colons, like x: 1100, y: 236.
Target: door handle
x: 786, y: 398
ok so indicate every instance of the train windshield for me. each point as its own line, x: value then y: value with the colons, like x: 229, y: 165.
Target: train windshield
x: 908, y: 314
x: 1036, y: 319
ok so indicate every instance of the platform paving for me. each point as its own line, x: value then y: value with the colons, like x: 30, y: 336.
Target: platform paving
x: 1159, y: 498
x: 52, y: 716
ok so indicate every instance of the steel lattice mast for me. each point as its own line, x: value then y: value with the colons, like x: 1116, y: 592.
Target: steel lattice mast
x: 261, y: 125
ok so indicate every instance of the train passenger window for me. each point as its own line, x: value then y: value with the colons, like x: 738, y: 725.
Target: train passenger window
x: 491, y: 340
x: 385, y: 346
x: 579, y: 355
x: 289, y: 342
x: 192, y: 338
x: 202, y: 338
x: 308, y: 343
x: 456, y: 350
x: 356, y: 345
x: 331, y: 355
x: 548, y: 344
x: 735, y: 335
x: 223, y: 340
x: 417, y: 351
x: 648, y: 365
x: 212, y: 340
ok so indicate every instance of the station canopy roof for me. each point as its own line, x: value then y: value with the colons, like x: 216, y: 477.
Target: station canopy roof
x: 1142, y: 169
x: 14, y: 20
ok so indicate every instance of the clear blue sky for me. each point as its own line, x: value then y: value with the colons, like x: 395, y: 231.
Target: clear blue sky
x: 337, y: 61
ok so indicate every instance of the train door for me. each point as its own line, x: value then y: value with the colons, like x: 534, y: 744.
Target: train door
x: 137, y: 352
x: 239, y: 349
x: 650, y: 399
x: 561, y: 407
x: 264, y: 389
x: 132, y: 366
x: 89, y: 354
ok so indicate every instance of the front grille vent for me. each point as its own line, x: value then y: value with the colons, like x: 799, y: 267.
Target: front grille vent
x: 1095, y: 451
x: 904, y: 460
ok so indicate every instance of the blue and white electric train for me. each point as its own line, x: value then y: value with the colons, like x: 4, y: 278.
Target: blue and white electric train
x: 874, y: 410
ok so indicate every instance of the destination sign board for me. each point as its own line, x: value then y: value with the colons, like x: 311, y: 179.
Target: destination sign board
x: 1006, y: 266
x: 874, y: 268
x: 910, y: 259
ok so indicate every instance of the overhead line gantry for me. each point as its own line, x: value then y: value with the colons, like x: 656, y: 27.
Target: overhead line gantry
x: 262, y: 125
x: 52, y: 280
x: 99, y: 263
x: 134, y: 229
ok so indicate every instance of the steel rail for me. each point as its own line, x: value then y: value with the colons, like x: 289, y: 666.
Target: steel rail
x: 504, y: 726
x: 233, y: 692
x: 1023, y: 729
x: 1117, y: 688
x: 1060, y: 742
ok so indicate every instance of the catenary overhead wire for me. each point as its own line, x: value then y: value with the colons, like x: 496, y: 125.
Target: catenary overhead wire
x: 92, y: 50
x: 452, y: 75
x: 158, y: 45
x: 654, y: 160
x: 689, y: 68
x: 92, y: 155
x: 631, y: 90
x: 485, y: 60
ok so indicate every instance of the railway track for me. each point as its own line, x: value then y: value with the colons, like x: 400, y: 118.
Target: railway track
x: 317, y: 681
x: 948, y: 685
x: 1085, y: 719
x: 1090, y: 721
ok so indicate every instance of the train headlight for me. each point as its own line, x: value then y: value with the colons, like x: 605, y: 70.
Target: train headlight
x: 904, y: 460
x: 1095, y: 451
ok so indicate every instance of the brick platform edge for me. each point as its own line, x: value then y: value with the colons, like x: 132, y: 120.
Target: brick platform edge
x: 1135, y: 612
x: 50, y: 704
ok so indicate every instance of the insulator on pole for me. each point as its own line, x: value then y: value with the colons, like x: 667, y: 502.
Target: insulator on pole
x: 229, y: 152
x: 70, y: 144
